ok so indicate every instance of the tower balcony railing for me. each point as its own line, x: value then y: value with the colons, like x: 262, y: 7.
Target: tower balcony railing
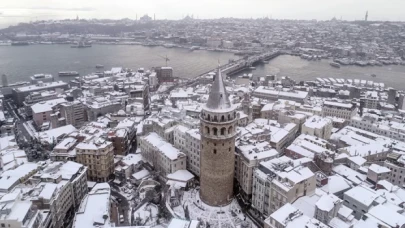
x: 218, y: 122
x: 219, y: 137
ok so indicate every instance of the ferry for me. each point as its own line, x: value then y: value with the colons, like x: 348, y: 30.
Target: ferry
x: 169, y: 45
x: 19, y: 43
x: 337, y: 65
x: 81, y: 44
x: 68, y: 73
x: 193, y: 48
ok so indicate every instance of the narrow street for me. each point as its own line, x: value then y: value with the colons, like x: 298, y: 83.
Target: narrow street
x: 120, y: 208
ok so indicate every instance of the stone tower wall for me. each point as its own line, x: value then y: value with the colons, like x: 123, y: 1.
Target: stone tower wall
x: 217, y: 158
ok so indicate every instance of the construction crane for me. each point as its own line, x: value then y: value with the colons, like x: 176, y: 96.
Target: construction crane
x: 165, y: 58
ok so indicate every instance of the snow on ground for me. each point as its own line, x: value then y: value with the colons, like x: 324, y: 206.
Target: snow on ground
x: 229, y: 216
x: 148, y: 214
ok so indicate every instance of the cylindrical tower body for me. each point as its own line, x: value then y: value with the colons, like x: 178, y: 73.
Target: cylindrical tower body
x: 217, y: 158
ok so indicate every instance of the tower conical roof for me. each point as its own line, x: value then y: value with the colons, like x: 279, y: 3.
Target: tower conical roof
x: 218, y: 98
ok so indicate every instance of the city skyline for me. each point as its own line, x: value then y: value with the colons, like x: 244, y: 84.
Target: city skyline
x: 28, y: 10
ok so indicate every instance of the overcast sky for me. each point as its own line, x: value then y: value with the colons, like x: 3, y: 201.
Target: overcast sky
x: 14, y: 11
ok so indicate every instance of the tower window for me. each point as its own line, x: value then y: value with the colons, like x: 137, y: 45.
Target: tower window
x: 229, y: 116
x: 215, y: 118
x: 207, y: 130
x: 215, y: 151
x: 223, y: 131
x: 215, y: 130
x: 230, y: 130
x: 209, y: 117
x: 222, y: 118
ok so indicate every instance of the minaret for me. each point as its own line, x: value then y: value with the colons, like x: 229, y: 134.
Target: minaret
x: 366, y: 17
x: 217, y: 159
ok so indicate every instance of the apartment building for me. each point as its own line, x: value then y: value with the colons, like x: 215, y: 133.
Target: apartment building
x: 342, y: 110
x: 17, y: 212
x: 54, y: 192
x: 317, y: 126
x: 95, y: 209
x: 396, y: 163
x: 377, y: 173
x: 271, y: 93
x: 19, y: 94
x: 36, y: 97
x: 193, y: 142
x: 74, y: 113
x: 42, y: 111
x: 280, y: 181
x: 162, y: 155
x: 360, y: 199
x: 290, y: 217
x: 98, y: 155
x: 370, y: 99
x: 180, y: 137
x: 374, y: 124
x: 248, y: 156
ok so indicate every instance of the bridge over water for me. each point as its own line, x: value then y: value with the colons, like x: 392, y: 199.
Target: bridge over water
x: 243, y: 64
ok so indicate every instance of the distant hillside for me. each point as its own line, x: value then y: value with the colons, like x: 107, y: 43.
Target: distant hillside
x: 77, y: 27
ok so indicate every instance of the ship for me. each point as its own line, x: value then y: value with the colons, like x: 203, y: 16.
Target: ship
x: 337, y: 65
x: 68, y: 73
x: 169, y: 45
x: 98, y: 66
x: 19, y: 43
x: 81, y: 44
x: 194, y: 48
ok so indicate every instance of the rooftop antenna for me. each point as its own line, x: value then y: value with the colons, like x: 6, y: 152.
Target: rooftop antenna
x: 165, y: 58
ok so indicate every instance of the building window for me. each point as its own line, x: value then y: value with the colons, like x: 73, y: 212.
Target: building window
x: 215, y: 151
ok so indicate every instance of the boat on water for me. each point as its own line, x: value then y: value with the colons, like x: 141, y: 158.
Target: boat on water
x: 98, y: 66
x: 336, y: 65
x: 45, y: 42
x: 81, y: 44
x: 373, y: 75
x: 68, y: 73
x: 19, y: 43
x: 193, y: 48
x: 169, y: 45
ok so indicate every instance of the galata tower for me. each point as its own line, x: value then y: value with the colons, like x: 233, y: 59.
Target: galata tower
x: 217, y: 159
